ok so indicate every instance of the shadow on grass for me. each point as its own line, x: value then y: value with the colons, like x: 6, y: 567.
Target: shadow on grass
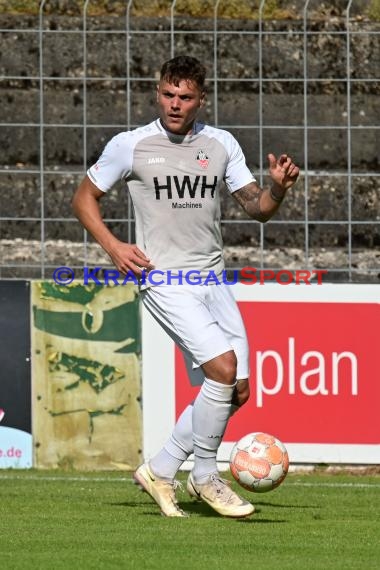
x: 196, y: 508
x: 288, y: 506
x: 191, y: 508
x: 255, y: 520
x: 139, y: 505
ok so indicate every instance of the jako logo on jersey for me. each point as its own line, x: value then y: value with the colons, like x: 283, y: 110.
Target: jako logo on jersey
x: 202, y: 159
x: 180, y: 186
x: 156, y: 160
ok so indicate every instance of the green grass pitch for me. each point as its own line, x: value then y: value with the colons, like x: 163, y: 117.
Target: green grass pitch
x: 68, y: 520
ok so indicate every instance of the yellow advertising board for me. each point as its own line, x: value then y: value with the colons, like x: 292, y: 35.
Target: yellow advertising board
x: 86, y: 387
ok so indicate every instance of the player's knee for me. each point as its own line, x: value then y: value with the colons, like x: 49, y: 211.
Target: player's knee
x: 228, y: 368
x: 222, y: 368
x: 242, y: 399
x: 242, y: 393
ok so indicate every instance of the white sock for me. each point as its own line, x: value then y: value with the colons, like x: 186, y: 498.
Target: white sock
x: 211, y: 411
x: 179, y: 446
x: 177, y: 449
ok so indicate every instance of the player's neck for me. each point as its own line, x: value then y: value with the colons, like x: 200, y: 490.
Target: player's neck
x: 189, y: 131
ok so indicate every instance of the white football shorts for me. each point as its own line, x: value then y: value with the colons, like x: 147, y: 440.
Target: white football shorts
x: 203, y: 320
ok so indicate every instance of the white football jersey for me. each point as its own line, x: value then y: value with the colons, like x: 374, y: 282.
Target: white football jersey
x: 174, y: 182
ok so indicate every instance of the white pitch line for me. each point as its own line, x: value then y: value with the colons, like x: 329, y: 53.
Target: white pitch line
x: 69, y: 478
x: 130, y: 480
x: 335, y: 485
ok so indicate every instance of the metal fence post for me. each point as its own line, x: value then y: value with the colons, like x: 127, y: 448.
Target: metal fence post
x: 349, y: 142
x: 42, y: 134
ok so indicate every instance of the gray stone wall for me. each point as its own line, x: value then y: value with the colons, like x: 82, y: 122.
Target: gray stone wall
x: 238, y: 105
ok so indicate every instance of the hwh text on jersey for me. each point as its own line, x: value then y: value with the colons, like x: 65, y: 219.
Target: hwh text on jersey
x: 180, y: 186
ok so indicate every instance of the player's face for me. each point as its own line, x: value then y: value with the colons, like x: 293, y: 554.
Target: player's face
x: 179, y: 105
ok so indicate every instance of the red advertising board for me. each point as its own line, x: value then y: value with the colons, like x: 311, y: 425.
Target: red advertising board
x: 314, y: 373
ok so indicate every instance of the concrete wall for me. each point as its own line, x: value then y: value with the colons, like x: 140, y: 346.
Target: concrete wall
x: 238, y: 104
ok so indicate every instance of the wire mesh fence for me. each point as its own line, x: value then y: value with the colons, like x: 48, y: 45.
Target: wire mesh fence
x: 306, y: 85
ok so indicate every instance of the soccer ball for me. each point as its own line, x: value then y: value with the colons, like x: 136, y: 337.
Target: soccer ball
x: 259, y: 462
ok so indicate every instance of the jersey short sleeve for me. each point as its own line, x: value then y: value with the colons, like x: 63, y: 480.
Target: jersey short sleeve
x: 114, y: 164
x: 237, y: 172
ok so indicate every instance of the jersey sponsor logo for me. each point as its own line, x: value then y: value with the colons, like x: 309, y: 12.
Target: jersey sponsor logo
x: 185, y: 187
x: 156, y: 160
x: 202, y: 159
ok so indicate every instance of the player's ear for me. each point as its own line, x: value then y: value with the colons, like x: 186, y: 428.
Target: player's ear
x: 202, y: 99
x: 157, y: 91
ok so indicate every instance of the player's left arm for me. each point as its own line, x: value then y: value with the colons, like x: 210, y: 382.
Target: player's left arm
x: 262, y: 203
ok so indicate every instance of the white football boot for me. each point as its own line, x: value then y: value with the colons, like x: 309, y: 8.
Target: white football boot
x: 218, y: 494
x: 161, y: 491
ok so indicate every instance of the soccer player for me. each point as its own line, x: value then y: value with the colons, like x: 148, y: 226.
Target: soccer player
x: 174, y: 168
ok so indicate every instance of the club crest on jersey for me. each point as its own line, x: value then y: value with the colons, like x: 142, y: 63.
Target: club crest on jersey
x: 202, y: 159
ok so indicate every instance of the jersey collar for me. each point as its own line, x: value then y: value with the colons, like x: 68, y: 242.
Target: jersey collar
x: 179, y: 139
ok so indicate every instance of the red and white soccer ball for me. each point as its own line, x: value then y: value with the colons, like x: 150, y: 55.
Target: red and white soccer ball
x: 259, y: 462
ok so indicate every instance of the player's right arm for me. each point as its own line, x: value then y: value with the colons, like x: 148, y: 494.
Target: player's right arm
x: 126, y: 257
